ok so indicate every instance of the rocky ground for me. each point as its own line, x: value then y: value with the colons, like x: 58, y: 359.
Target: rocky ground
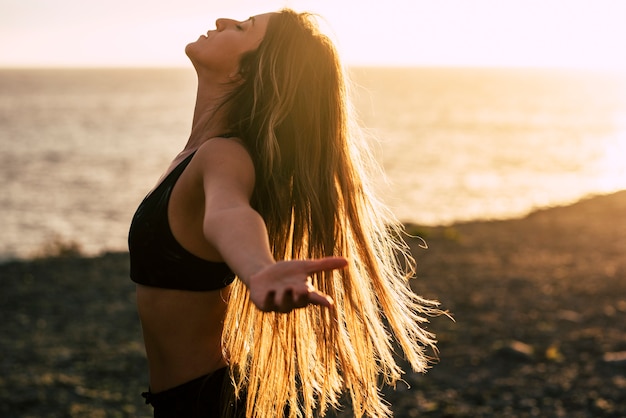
x: 539, y: 305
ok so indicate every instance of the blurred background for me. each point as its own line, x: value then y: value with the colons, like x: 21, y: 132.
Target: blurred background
x: 479, y: 110
x: 495, y: 122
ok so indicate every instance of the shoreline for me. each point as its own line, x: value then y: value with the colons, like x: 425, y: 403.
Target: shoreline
x: 58, y: 246
x: 539, y: 304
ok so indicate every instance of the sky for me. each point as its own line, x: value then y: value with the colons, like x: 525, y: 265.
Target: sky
x: 588, y: 34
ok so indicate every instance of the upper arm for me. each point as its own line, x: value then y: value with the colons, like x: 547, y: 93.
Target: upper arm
x: 227, y: 174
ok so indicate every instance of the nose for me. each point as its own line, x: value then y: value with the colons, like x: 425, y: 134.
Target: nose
x: 222, y: 23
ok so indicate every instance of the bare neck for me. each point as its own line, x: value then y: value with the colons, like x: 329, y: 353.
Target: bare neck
x: 209, y: 118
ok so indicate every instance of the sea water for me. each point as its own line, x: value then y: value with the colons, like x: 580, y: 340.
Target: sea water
x: 80, y: 148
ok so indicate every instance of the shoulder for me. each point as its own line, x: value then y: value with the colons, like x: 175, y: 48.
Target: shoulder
x: 219, y: 147
x: 225, y: 159
x: 219, y: 151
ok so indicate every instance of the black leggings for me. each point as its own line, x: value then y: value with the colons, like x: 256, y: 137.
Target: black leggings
x: 204, y: 397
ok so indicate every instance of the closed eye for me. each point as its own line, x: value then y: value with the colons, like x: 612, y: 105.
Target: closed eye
x: 240, y: 26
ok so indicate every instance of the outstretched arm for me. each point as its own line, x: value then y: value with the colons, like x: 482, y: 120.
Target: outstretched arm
x: 239, y: 234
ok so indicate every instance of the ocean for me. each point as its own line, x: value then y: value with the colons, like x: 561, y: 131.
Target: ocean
x: 81, y: 147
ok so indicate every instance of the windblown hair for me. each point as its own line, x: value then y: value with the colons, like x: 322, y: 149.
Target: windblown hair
x: 312, y: 190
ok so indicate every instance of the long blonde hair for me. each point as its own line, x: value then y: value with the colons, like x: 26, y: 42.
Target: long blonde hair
x: 313, y: 192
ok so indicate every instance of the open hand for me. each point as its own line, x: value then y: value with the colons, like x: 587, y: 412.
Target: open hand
x: 286, y: 285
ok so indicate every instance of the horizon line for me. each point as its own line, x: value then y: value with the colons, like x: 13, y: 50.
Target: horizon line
x: 617, y: 71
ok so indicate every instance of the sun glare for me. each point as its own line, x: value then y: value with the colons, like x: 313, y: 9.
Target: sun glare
x: 612, y: 165
x: 515, y: 33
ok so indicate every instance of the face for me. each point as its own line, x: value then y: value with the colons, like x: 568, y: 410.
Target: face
x: 220, y: 50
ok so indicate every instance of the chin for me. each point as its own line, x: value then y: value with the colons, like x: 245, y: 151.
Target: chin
x: 189, y: 50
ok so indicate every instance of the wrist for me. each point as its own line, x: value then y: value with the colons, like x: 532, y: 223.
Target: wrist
x: 253, y: 272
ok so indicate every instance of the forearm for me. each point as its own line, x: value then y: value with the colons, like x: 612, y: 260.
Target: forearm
x: 240, y: 236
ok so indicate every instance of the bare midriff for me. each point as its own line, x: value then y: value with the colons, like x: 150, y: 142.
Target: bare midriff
x: 182, y: 333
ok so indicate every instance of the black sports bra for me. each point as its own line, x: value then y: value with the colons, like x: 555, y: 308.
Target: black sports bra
x: 157, y: 259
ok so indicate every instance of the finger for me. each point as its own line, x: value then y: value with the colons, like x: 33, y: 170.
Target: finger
x: 320, y: 299
x: 284, y: 300
x: 290, y: 300
x: 302, y: 298
x: 269, y: 302
x: 325, y: 264
x: 295, y: 300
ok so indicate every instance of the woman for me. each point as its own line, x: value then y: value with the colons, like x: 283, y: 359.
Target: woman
x: 271, y: 189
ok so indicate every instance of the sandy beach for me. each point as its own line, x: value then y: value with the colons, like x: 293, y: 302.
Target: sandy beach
x: 539, y: 305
